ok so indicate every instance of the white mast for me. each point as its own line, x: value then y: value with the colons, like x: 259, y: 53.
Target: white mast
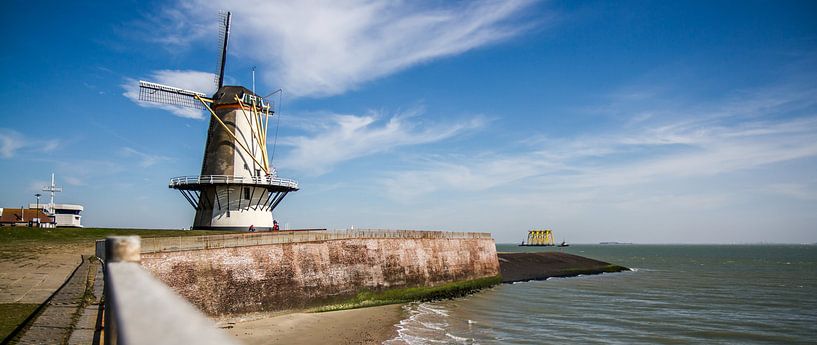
x: 53, y: 189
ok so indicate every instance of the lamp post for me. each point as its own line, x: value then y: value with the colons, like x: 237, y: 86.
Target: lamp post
x: 38, y: 195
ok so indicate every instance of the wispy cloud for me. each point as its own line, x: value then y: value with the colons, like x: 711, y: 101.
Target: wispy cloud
x: 12, y: 141
x: 144, y: 159
x: 708, y: 142
x: 37, y: 185
x: 74, y: 181
x: 320, y: 48
x: 465, y: 174
x: 173, y: 21
x: 189, y: 80
x: 802, y: 191
x: 78, y: 172
x: 50, y: 145
x: 345, y: 137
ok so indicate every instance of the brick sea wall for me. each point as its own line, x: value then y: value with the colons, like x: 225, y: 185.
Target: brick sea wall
x: 271, y: 277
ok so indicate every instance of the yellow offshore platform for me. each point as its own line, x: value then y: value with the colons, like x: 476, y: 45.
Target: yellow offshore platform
x: 539, y: 238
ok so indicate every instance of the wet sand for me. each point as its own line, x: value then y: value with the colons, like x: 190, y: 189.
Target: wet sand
x: 356, y: 326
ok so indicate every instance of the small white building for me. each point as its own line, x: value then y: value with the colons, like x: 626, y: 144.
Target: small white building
x: 66, y: 215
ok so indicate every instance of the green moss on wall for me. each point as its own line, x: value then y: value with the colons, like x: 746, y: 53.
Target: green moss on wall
x: 420, y: 293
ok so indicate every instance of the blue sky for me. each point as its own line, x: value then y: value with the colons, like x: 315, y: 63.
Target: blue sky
x: 650, y: 122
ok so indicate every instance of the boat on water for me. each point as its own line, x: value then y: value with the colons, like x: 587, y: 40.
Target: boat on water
x: 563, y: 244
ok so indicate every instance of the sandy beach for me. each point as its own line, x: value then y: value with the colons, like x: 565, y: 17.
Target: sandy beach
x: 356, y: 326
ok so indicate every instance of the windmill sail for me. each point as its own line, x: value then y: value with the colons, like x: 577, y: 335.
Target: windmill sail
x: 224, y: 36
x: 158, y: 93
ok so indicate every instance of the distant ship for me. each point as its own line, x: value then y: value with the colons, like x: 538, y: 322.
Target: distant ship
x: 563, y: 244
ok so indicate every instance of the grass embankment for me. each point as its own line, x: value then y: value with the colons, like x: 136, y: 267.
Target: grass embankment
x: 25, y: 242
x: 12, y: 314
x: 403, y: 295
x: 25, y: 235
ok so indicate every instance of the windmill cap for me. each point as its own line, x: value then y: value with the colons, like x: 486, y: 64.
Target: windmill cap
x: 227, y: 94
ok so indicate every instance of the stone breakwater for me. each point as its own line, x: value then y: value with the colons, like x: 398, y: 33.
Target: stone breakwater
x: 538, y: 266
x: 236, y: 280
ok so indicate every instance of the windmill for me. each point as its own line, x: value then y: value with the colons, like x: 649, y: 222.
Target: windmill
x: 238, y: 187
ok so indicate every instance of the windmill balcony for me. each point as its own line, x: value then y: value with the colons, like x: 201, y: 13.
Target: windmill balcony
x: 192, y: 182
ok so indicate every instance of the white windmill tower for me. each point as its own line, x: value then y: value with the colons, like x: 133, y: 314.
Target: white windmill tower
x: 238, y: 187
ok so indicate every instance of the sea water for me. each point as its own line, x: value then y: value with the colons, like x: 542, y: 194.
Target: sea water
x: 675, y: 294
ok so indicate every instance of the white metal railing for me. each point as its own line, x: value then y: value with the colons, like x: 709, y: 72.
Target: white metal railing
x: 171, y: 244
x: 223, y: 179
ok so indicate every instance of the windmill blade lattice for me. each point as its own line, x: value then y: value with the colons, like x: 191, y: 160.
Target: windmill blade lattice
x: 223, y: 38
x: 158, y: 93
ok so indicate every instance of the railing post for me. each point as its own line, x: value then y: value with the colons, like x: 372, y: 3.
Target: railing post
x: 117, y: 249
x: 123, y: 249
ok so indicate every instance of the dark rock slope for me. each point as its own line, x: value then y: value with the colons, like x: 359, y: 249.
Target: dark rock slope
x: 516, y: 267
